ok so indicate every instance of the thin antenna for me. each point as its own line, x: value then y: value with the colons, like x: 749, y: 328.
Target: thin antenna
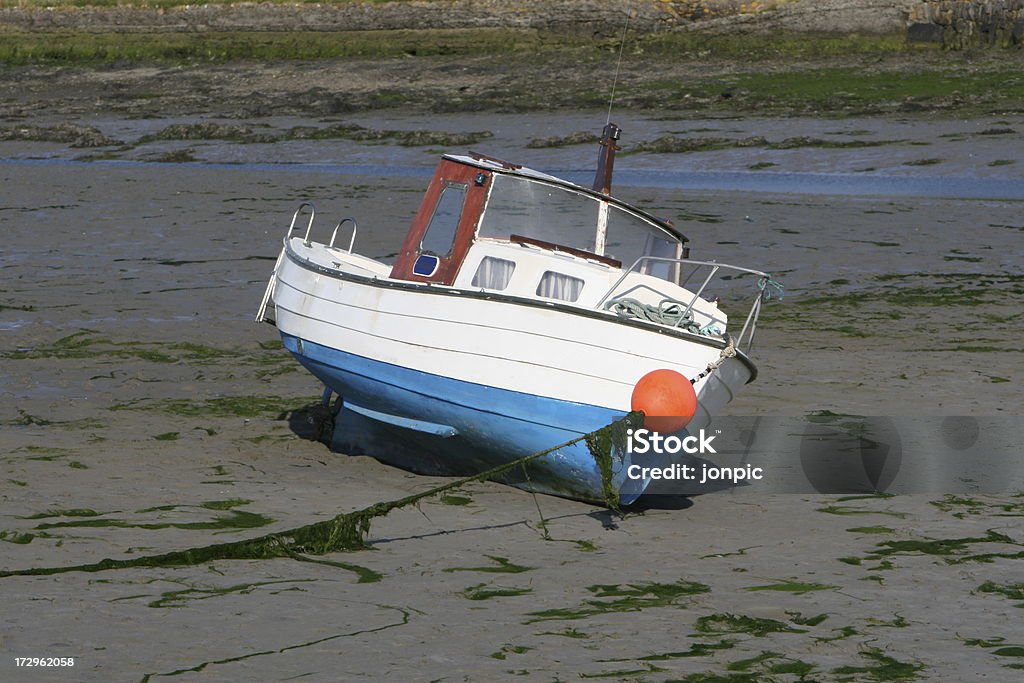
x: 615, y: 80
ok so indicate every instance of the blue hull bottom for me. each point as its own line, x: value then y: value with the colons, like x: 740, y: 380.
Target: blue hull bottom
x: 471, y: 427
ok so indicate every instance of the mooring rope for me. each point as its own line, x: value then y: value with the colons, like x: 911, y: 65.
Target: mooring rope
x: 348, y: 530
x: 728, y: 352
x: 766, y: 285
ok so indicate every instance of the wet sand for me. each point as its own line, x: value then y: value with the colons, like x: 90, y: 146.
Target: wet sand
x: 142, y: 411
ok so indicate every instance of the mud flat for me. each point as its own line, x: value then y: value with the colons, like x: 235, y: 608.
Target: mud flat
x: 142, y: 411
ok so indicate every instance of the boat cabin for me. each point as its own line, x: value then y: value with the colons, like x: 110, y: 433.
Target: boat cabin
x: 485, y: 224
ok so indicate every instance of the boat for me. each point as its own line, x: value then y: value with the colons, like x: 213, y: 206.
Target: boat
x: 519, y: 313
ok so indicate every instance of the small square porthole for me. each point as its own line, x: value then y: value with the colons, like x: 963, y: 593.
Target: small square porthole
x: 426, y: 265
x: 493, y: 273
x: 560, y: 286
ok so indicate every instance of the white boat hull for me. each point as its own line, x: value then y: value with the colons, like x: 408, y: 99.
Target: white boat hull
x: 507, y: 376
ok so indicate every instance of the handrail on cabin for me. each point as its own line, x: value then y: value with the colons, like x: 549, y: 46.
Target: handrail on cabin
x: 543, y: 244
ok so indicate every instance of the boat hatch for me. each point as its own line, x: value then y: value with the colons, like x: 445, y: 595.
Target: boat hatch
x: 444, y: 226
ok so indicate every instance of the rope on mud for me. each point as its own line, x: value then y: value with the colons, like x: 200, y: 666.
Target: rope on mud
x: 348, y: 530
x: 728, y: 352
x: 667, y: 312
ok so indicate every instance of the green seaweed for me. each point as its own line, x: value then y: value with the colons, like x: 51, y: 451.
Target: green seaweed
x: 871, y: 530
x: 751, y: 662
x: 450, y: 499
x: 577, y: 138
x: 346, y: 531
x: 710, y: 677
x: 566, y: 633
x: 502, y: 566
x: 167, y: 436
x: 797, y: 587
x: 603, y: 444
x: 69, y: 512
x: 847, y: 510
x: 482, y: 591
x: 650, y: 668
x: 964, y: 506
x: 509, y: 649
x: 695, y: 650
x: 798, y: 618
x: 720, y: 624
x: 943, y: 547
x: 844, y: 632
x: 238, y: 519
x: 981, y: 642
x: 625, y: 598
x: 17, y: 537
x: 225, y: 504
x: 884, y: 668
x: 179, y: 598
x: 1013, y: 591
x: 794, y: 667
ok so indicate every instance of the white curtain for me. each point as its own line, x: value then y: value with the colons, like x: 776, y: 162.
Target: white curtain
x: 493, y: 273
x: 560, y: 286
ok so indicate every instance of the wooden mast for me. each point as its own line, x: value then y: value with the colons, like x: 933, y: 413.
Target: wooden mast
x: 606, y: 159
x: 603, y: 181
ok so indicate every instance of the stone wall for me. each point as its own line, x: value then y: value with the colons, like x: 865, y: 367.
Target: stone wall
x: 962, y: 24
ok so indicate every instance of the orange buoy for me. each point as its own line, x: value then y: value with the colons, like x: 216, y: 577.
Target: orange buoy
x: 667, y: 399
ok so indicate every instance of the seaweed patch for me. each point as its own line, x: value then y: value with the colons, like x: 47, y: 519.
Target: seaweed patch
x: 346, y: 531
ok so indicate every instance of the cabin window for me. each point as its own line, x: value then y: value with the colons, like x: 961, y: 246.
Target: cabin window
x: 494, y: 273
x: 560, y: 286
x: 444, y: 223
x: 561, y: 215
x: 541, y: 211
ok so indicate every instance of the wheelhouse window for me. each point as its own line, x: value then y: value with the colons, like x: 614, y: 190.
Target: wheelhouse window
x: 552, y: 213
x: 559, y: 286
x: 493, y: 273
x: 444, y: 223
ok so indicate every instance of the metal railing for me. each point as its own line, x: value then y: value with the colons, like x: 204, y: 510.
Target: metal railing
x: 749, y: 325
x: 295, y: 217
x: 309, y: 227
x: 334, y: 235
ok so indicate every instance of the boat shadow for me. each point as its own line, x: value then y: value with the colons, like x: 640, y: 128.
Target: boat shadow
x: 349, y: 434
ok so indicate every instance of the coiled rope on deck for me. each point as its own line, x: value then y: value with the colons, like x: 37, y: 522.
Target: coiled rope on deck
x: 668, y: 312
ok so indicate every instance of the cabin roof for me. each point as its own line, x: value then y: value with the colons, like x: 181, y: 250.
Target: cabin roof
x: 495, y: 166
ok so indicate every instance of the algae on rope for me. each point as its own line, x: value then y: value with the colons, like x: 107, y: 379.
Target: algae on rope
x: 347, y: 531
